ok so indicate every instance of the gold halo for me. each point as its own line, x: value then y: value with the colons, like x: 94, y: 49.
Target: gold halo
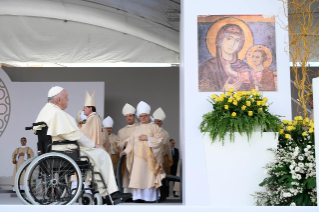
x: 249, y: 56
x: 212, y: 33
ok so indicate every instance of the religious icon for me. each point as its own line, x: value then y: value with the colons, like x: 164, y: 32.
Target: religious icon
x: 236, y: 52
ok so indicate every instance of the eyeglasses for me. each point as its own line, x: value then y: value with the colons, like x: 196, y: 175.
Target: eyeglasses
x: 143, y: 116
x: 129, y: 116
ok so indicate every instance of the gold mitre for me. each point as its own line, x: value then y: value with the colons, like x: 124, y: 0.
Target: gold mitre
x: 89, y: 99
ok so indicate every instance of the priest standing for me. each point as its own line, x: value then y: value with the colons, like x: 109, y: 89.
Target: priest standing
x: 159, y: 116
x: 20, y: 155
x: 124, y: 135
x: 93, y: 126
x: 113, y: 141
x: 145, y: 157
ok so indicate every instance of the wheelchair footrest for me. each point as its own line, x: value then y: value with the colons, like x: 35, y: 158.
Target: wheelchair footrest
x: 117, y: 201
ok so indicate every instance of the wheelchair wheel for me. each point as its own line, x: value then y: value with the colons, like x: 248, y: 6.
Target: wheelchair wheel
x: 48, y: 177
x: 98, y: 199
x: 18, y: 178
x: 86, y: 199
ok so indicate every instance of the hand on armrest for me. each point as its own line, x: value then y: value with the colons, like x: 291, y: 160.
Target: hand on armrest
x: 99, y: 146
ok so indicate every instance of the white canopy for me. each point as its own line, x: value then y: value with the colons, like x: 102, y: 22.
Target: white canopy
x: 95, y: 31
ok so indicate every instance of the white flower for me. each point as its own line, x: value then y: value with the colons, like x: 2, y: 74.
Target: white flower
x: 300, y: 165
x: 266, y: 171
x: 298, y: 176
x: 288, y: 194
x: 293, y: 204
x: 300, y: 158
x: 295, y: 153
x: 305, y: 149
x: 308, y: 146
x: 291, y: 167
x: 297, y: 169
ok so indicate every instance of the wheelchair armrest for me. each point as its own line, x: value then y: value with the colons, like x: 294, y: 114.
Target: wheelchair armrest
x: 38, y: 123
x: 62, y: 143
x: 173, y: 178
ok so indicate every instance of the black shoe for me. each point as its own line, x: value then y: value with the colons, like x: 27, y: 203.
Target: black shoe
x: 176, y: 195
x: 129, y: 200
x: 118, y: 195
x: 139, y: 201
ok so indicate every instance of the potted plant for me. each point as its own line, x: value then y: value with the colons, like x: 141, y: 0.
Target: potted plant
x: 243, y: 112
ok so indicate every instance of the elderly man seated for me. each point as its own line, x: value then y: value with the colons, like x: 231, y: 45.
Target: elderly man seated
x: 61, y: 126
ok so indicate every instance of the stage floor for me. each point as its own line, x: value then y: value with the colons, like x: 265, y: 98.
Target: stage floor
x: 5, y: 199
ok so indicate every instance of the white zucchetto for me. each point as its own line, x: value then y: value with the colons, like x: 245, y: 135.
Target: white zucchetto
x: 89, y: 99
x: 143, y: 107
x: 83, y: 117
x: 159, y: 114
x: 55, y: 91
x: 128, y: 109
x: 108, y: 122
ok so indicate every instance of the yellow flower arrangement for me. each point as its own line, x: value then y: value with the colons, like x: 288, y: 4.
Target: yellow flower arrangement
x: 229, y: 111
x: 297, y: 128
x: 287, y: 136
x: 231, y: 90
x: 265, y: 99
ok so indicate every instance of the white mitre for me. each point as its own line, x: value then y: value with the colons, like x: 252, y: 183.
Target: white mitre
x: 108, y: 122
x: 83, y: 117
x: 128, y: 109
x: 143, y: 107
x: 159, y: 114
x: 89, y: 99
x: 55, y: 91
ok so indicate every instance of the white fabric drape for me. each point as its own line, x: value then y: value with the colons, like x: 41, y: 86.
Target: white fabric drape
x: 79, y: 31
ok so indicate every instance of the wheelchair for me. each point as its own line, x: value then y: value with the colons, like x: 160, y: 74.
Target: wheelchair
x: 50, y: 178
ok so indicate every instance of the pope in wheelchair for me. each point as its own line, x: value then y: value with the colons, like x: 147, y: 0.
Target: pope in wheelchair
x: 66, y: 155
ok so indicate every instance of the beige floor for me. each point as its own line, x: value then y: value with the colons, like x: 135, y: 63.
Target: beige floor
x: 5, y: 199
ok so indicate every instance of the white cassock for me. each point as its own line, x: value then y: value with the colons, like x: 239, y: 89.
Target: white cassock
x: 62, y: 126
